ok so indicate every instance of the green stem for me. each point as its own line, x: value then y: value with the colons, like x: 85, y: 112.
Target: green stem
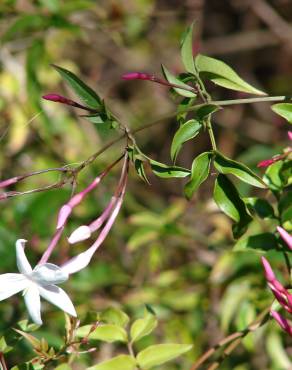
x: 251, y: 100
x: 211, y: 133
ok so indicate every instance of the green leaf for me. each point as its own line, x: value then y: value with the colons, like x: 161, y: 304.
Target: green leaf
x: 228, y: 200
x: 24, y: 24
x: 187, y: 131
x: 142, y: 327
x: 200, y: 172
x: 272, y: 176
x: 260, y: 206
x: 223, y: 75
x: 259, y: 243
x: 167, y: 172
x: 4, y: 348
x: 232, y: 299
x: 89, y: 96
x: 139, y: 167
x: 122, y: 362
x: 173, y: 80
x: 114, y: 316
x: 228, y: 166
x: 187, y: 51
x: 160, y: 353
x: 277, y: 351
x: 107, y: 333
x: 205, y: 110
x: 284, y: 110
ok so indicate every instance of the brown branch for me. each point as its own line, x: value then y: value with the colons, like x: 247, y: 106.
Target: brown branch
x: 234, y: 338
x: 273, y: 20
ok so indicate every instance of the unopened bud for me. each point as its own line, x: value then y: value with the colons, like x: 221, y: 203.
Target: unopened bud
x: 81, y: 233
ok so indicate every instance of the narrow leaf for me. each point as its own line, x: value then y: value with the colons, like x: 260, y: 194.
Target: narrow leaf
x: 122, y: 362
x: 228, y: 166
x: 160, y: 353
x: 200, y: 172
x: 187, y: 131
x: 284, y: 110
x: 89, y: 96
x: 223, y: 75
x: 187, y: 51
x: 228, y: 200
x: 143, y: 327
x: 164, y: 171
x: 173, y: 80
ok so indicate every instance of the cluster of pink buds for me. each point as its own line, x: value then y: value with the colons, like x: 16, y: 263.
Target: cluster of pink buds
x: 280, y: 292
x: 278, y: 157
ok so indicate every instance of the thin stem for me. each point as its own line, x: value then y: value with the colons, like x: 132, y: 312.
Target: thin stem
x: 234, y: 339
x: 211, y: 133
x: 251, y: 100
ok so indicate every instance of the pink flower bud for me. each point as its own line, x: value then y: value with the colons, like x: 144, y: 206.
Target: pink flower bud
x: 270, y: 276
x: 63, y: 215
x: 59, y: 99
x: 290, y: 135
x: 285, y: 236
x: 282, y: 322
x: 81, y: 233
x: 266, y: 162
x: 138, y: 76
x: 8, y: 182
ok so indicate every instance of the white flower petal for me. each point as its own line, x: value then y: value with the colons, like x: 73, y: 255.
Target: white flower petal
x: 33, y: 303
x: 11, y: 284
x: 58, y: 297
x: 80, y: 261
x: 23, y: 265
x: 48, y: 273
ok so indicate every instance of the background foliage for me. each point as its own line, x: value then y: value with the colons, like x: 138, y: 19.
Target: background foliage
x: 172, y: 254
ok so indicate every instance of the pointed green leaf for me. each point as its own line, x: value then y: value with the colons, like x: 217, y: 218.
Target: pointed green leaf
x: 187, y: 131
x: 284, y: 110
x: 122, y: 362
x: 173, y: 80
x: 260, y: 206
x: 228, y: 200
x: 200, y: 172
x: 263, y: 242
x: 187, y: 51
x: 143, y: 327
x: 167, y: 172
x: 114, y: 316
x: 228, y: 166
x: 89, y: 96
x: 160, y: 353
x: 273, y: 176
x: 223, y: 75
x: 107, y: 333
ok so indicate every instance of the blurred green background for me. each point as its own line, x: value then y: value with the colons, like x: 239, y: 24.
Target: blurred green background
x: 163, y: 251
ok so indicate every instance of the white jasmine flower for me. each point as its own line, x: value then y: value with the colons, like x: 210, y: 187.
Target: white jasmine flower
x: 35, y: 283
